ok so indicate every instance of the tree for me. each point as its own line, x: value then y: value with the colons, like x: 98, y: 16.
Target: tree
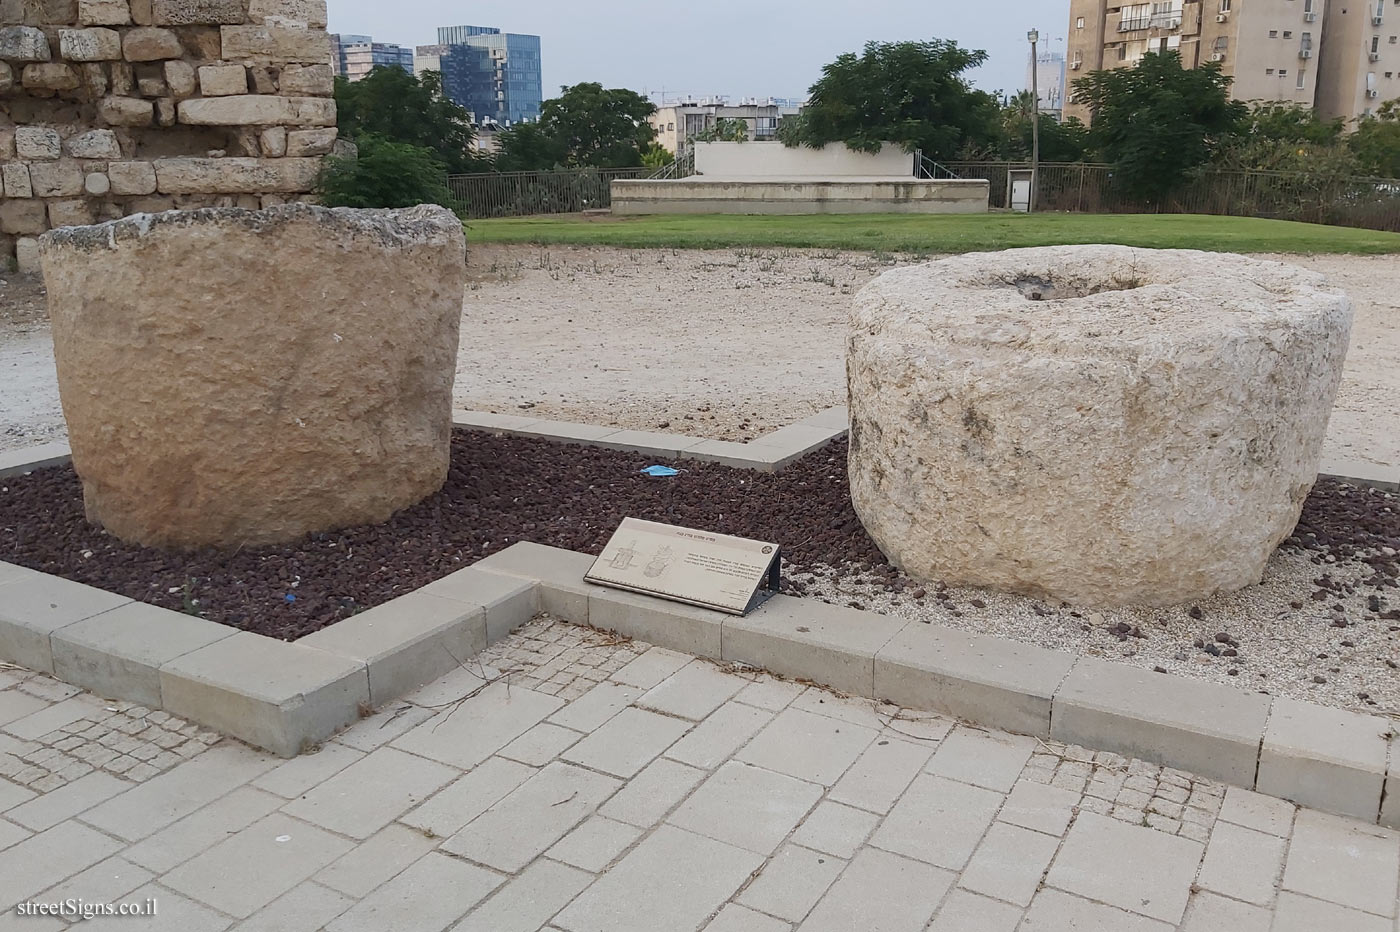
x: 385, y: 173
x: 1157, y: 121
x: 526, y: 147
x: 657, y: 156
x: 1290, y: 122
x: 910, y: 93
x: 392, y: 104
x: 1059, y: 141
x: 1376, y: 141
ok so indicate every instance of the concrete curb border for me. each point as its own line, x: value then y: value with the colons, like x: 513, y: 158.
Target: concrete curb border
x: 1317, y: 756
x: 285, y: 696
x: 768, y: 453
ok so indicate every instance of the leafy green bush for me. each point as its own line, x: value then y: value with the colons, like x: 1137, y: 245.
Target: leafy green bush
x: 386, y: 174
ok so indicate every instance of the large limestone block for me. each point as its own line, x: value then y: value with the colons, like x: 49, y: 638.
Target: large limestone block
x: 16, y: 179
x: 257, y: 110
x: 307, y: 80
x: 94, y: 44
x: 94, y: 144
x: 126, y: 111
x: 276, y: 43
x: 37, y: 142
x: 245, y: 377
x: 23, y: 43
x: 50, y: 76
x: 288, y: 12
x: 1098, y: 424
x: 223, y: 80
x: 132, y: 178
x: 197, y: 12
x: 104, y: 12
x: 62, y: 178
x: 237, y: 176
x: 147, y: 43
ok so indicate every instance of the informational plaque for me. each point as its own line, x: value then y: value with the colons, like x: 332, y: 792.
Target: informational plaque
x: 685, y: 565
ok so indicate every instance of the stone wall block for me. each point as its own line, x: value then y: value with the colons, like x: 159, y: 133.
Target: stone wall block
x: 16, y: 179
x: 223, y: 80
x: 23, y: 216
x: 307, y: 81
x: 128, y: 178
x: 70, y: 213
x: 202, y: 43
x: 94, y: 144
x: 236, y: 175
x: 263, y: 78
x: 126, y: 111
x: 197, y: 12
x: 50, y: 76
x: 27, y: 255
x: 308, y: 142
x: 258, y: 110
x: 141, y: 13
x: 288, y: 12
x: 147, y: 43
x: 63, y: 178
x: 7, y: 77
x: 166, y: 113
x: 97, y: 184
x: 37, y: 142
x: 180, y: 77
x: 93, y: 44
x: 274, y: 141
x: 38, y: 12
x: 94, y: 78
x: 123, y: 79
x: 26, y: 44
x: 104, y: 12
x: 276, y: 43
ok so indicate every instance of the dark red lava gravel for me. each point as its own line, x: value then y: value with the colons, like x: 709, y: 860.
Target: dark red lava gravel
x: 501, y: 490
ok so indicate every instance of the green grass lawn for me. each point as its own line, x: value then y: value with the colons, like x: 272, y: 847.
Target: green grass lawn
x: 934, y: 234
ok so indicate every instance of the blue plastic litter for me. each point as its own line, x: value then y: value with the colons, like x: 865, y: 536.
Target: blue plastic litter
x: 289, y: 597
x: 661, y: 472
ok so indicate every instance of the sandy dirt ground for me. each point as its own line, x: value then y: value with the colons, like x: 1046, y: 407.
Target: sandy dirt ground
x: 727, y: 344
x: 732, y: 343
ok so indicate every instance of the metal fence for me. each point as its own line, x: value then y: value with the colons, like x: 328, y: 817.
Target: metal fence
x: 1371, y: 203
x: 520, y: 194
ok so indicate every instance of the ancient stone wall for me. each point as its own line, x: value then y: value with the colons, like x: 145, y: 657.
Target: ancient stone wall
x: 115, y: 107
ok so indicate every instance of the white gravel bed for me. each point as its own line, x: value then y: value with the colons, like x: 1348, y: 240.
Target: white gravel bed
x: 1283, y: 650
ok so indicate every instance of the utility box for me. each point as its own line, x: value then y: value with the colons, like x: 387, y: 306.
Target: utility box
x: 1018, y: 189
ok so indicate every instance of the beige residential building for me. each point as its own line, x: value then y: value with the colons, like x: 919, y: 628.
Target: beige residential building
x: 1359, y: 65
x: 1271, y: 48
x: 676, y: 122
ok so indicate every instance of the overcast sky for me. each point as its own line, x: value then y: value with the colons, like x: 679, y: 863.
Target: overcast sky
x: 738, y: 47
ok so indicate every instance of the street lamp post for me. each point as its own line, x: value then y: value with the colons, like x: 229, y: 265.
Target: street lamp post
x: 1034, y: 36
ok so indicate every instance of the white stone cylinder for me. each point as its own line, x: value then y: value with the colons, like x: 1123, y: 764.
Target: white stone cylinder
x: 1100, y: 424
x: 238, y: 377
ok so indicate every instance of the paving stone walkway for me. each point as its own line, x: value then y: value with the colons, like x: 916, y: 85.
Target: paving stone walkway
x: 570, y: 781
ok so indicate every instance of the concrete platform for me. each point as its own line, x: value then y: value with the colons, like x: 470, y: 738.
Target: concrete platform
x: 806, y: 195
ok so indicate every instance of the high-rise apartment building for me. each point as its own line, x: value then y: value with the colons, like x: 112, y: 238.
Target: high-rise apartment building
x: 428, y: 58
x: 496, y: 75
x: 1359, y: 63
x: 354, y: 57
x: 1049, y: 80
x: 1271, y: 48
